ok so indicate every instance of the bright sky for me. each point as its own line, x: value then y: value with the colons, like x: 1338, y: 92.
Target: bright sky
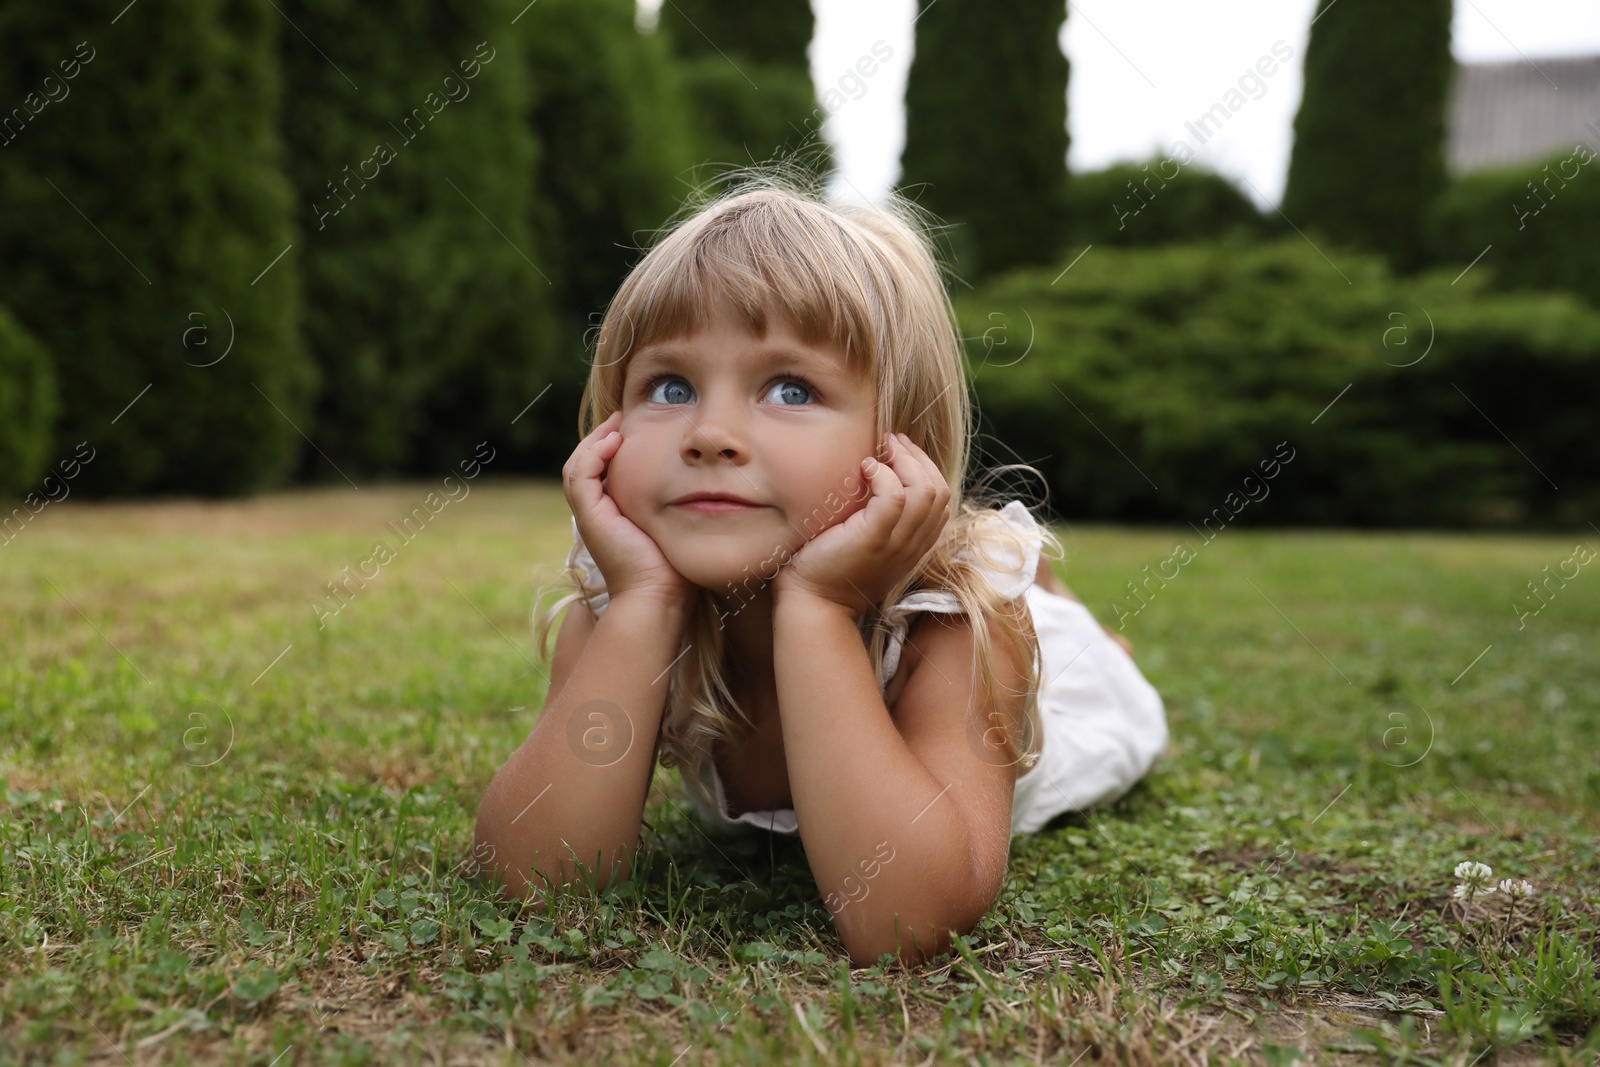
x: 1141, y: 70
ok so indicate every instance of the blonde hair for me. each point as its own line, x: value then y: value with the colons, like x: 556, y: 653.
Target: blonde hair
x: 863, y: 278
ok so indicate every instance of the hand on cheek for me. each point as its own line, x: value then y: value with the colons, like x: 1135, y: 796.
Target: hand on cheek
x: 856, y: 561
x: 627, y: 556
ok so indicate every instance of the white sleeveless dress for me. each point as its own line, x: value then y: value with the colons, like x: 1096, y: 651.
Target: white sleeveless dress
x: 1103, y: 723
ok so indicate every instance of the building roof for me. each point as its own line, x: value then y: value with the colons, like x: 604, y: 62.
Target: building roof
x: 1506, y: 113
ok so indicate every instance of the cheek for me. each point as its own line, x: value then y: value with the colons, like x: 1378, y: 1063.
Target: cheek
x: 852, y: 492
x: 628, y: 477
x: 833, y: 494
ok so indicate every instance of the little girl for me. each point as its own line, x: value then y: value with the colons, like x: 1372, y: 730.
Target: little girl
x: 789, y: 596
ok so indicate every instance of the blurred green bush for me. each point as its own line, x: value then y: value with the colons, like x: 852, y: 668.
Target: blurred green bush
x: 611, y: 118
x: 1158, y: 202
x: 1541, y: 219
x: 748, y: 81
x: 142, y: 213
x: 28, y: 406
x: 616, y: 143
x: 1146, y: 384
x: 424, y: 302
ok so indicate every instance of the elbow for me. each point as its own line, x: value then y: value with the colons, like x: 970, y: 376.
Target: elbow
x: 488, y: 839
x: 921, y: 931
x: 912, y: 940
x: 518, y: 869
x: 494, y: 858
x: 488, y: 862
x: 510, y: 881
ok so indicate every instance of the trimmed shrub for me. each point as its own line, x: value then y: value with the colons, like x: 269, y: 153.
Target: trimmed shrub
x: 986, y: 130
x: 1146, y: 384
x: 146, y: 223
x: 1540, y: 219
x: 428, y: 301
x: 28, y: 406
x: 1133, y: 204
x: 1368, y: 152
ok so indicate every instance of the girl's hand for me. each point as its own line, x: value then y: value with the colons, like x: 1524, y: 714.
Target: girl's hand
x: 856, y: 562
x: 628, y: 558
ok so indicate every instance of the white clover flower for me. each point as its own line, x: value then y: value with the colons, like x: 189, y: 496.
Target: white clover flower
x: 1475, y: 880
x: 57, y: 804
x: 1516, y: 888
x: 1467, y: 892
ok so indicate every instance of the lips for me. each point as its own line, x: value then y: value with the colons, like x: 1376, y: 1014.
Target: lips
x: 716, y: 503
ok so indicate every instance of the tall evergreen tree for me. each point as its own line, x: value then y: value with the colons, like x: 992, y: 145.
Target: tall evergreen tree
x: 611, y: 117
x: 986, y: 130
x: 748, y: 78
x: 428, y: 300
x: 1368, y: 156
x: 615, y: 153
x: 777, y: 32
x: 146, y: 235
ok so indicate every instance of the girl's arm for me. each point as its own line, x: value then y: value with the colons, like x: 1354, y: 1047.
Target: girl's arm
x: 580, y: 778
x: 907, y: 828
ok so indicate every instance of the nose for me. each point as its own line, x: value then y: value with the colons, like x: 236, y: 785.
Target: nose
x: 713, y: 429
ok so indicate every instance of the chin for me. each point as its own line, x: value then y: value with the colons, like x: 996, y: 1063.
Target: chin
x: 725, y: 574
x: 729, y: 566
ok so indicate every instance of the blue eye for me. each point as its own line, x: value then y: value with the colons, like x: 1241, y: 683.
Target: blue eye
x: 793, y: 392
x: 676, y: 391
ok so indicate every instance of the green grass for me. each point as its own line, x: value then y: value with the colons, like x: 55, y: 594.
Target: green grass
x: 214, y: 853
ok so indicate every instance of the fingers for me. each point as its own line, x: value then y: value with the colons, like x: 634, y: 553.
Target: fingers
x: 885, y: 505
x: 904, y: 513
x: 925, y: 495
x: 915, y: 492
x: 939, y: 513
x: 583, y: 470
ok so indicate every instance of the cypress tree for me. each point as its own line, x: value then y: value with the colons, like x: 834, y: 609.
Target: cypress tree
x: 1368, y: 156
x: 777, y: 32
x: 986, y: 130
x: 748, y: 79
x: 610, y: 115
x: 428, y: 299
x: 612, y: 121
x: 146, y: 231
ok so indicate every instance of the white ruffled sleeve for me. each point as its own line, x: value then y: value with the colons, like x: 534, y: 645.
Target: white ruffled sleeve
x: 1013, y: 562
x: 1008, y: 563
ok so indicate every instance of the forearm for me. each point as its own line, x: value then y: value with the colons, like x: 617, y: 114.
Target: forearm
x: 861, y: 794
x: 580, y: 778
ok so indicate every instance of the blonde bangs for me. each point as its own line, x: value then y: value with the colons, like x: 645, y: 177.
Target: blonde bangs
x: 753, y: 256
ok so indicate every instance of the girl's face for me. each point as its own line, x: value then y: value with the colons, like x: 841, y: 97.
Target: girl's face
x: 777, y: 423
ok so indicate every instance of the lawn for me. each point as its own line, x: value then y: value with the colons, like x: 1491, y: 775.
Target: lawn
x: 234, y: 824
